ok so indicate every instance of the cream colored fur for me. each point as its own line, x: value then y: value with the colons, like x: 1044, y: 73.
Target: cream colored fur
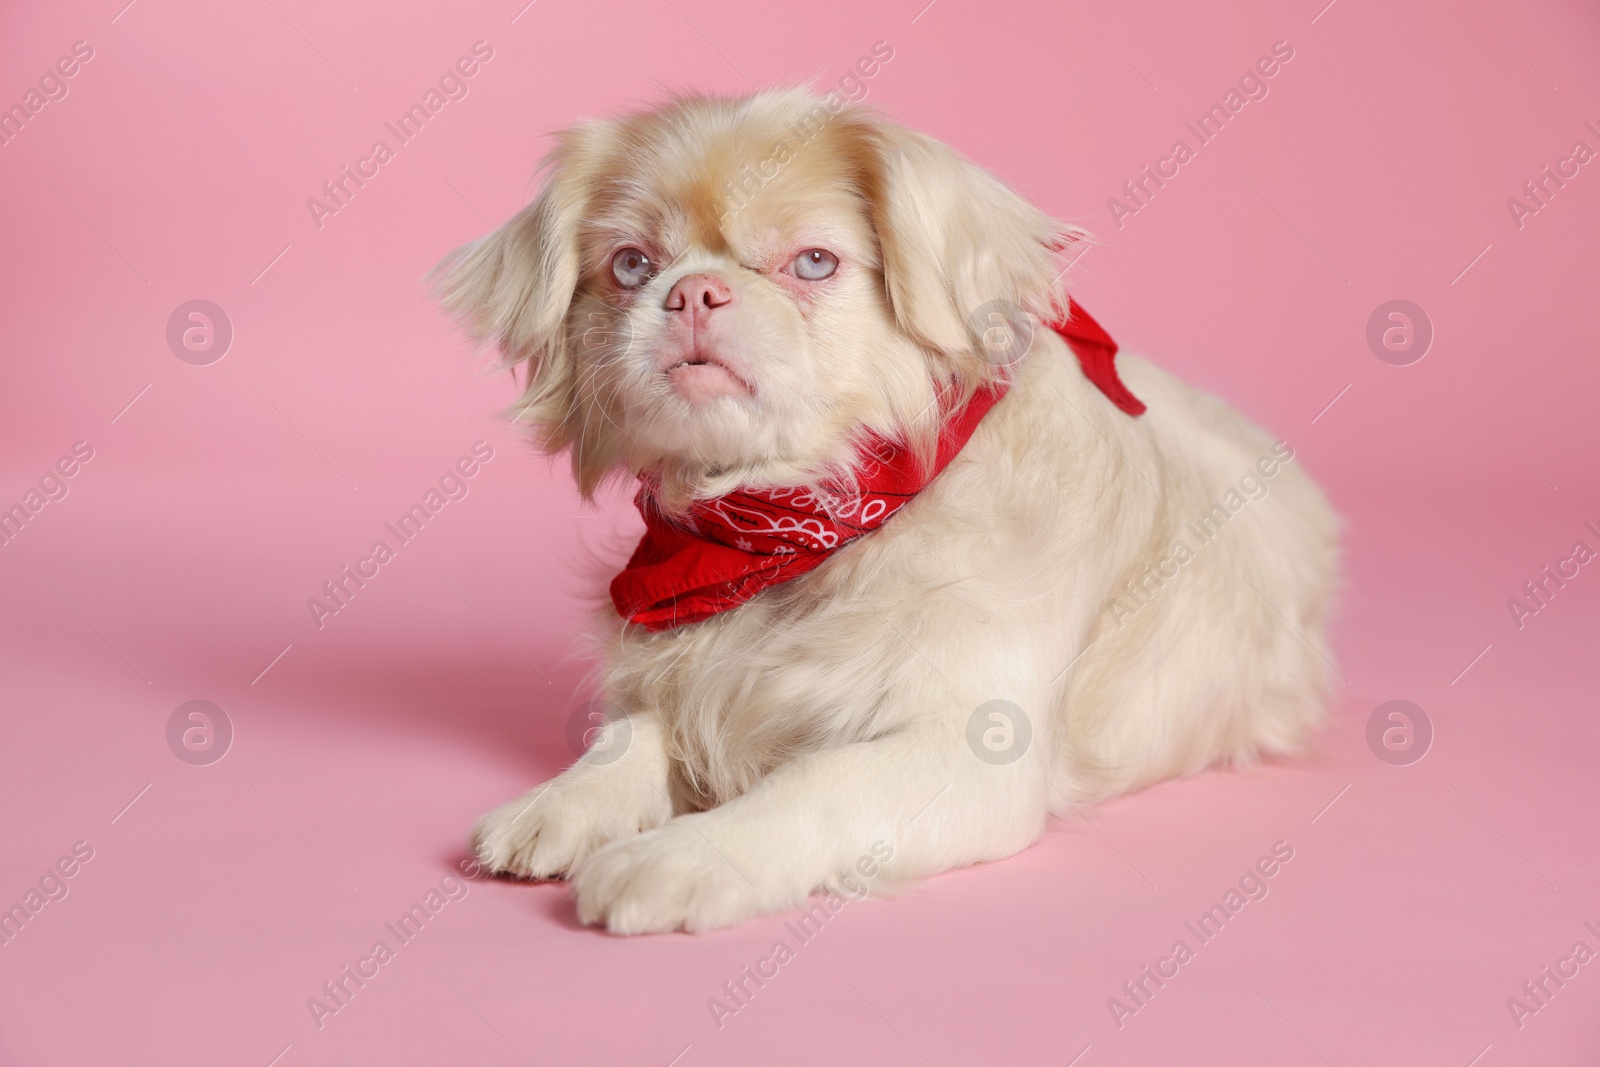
x: 773, y: 745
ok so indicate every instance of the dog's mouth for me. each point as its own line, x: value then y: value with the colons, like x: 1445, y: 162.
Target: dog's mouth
x: 699, y: 378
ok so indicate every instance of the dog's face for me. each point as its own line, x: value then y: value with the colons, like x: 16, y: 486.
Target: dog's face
x: 729, y: 292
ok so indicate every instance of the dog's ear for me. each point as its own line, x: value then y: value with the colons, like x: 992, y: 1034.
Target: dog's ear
x: 958, y: 245
x: 515, y: 286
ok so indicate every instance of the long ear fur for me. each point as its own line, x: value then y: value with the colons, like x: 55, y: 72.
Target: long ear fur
x: 515, y: 286
x: 954, y: 238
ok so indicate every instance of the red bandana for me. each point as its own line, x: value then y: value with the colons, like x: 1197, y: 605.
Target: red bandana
x: 729, y: 548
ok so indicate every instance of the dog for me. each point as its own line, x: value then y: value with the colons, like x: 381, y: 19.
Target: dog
x: 923, y: 565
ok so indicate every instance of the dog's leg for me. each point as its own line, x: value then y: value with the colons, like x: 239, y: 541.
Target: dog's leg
x: 602, y: 797
x: 922, y: 796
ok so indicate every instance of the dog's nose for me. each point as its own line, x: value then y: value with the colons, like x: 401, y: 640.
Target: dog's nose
x: 695, y: 291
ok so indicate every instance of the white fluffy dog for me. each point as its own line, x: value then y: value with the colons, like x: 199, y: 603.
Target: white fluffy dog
x: 779, y: 296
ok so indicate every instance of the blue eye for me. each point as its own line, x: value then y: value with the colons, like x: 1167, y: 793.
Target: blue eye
x: 631, y: 268
x: 814, y: 264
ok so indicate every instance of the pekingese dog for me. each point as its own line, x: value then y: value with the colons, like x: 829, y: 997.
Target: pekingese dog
x: 922, y: 562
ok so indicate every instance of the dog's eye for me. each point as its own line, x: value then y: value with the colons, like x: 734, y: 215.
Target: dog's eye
x: 631, y: 267
x: 814, y: 264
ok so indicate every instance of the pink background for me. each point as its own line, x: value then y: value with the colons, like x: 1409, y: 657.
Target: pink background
x: 178, y: 567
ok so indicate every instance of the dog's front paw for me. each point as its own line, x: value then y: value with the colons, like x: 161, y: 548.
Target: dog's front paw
x: 547, y: 832
x: 672, y: 878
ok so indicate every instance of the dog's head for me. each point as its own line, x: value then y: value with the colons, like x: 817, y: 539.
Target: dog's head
x: 733, y: 291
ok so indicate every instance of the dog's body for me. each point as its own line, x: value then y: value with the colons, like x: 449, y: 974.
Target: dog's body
x: 775, y: 745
